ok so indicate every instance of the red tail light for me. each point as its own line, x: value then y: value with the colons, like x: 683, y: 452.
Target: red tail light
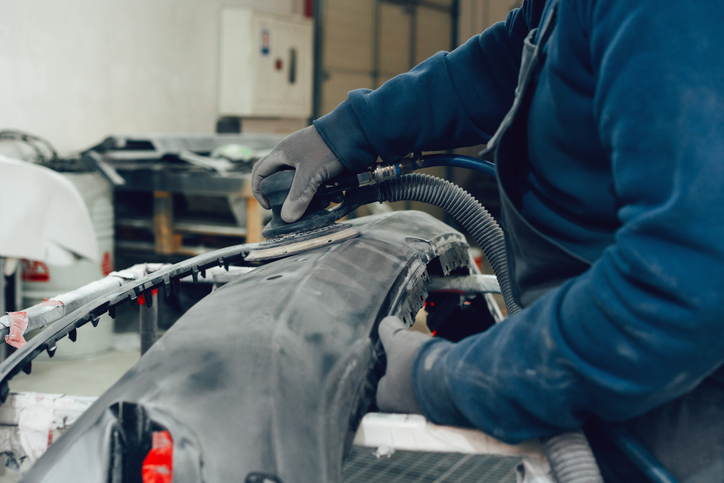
x: 158, y: 465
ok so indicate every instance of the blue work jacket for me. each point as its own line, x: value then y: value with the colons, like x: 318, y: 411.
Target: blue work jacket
x: 626, y: 169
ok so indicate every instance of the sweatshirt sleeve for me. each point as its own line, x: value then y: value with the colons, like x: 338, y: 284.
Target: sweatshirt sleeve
x: 450, y: 100
x: 644, y: 324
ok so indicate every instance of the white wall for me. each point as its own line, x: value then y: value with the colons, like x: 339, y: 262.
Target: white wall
x: 74, y: 71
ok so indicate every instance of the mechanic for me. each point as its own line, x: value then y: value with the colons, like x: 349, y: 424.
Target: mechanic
x: 611, y: 171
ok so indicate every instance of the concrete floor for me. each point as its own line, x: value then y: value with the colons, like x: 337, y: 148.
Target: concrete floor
x: 90, y: 376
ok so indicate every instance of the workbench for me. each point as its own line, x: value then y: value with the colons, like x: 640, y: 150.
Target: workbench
x: 156, y: 169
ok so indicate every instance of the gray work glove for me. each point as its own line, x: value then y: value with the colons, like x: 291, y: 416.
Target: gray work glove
x: 306, y: 152
x: 394, y: 392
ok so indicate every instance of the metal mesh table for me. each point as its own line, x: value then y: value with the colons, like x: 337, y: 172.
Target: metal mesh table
x: 362, y: 466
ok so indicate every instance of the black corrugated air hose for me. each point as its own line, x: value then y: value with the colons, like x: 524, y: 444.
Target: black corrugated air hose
x: 569, y: 454
x: 466, y: 210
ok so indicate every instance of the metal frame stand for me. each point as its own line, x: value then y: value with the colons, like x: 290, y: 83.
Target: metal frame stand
x: 148, y: 321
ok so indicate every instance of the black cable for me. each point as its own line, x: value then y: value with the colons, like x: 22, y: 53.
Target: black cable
x: 33, y: 142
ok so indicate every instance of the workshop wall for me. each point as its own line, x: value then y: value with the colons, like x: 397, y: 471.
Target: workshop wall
x: 367, y: 42
x: 477, y: 15
x: 74, y: 71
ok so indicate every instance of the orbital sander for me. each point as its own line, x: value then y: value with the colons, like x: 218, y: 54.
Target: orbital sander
x: 385, y: 181
x: 276, y: 189
x: 317, y: 226
x: 350, y: 190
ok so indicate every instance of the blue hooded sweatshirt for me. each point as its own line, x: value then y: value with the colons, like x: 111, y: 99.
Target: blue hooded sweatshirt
x: 626, y: 169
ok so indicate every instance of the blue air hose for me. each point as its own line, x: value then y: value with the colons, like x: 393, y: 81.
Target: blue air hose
x: 459, y: 161
x: 636, y: 452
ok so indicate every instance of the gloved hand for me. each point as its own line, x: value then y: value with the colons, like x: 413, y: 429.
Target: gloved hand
x: 305, y: 151
x: 394, y: 392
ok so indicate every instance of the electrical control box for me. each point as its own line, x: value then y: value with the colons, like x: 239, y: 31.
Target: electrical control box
x: 265, y: 65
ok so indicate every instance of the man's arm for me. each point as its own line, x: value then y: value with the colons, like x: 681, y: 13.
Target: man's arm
x: 644, y: 324
x: 450, y: 100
